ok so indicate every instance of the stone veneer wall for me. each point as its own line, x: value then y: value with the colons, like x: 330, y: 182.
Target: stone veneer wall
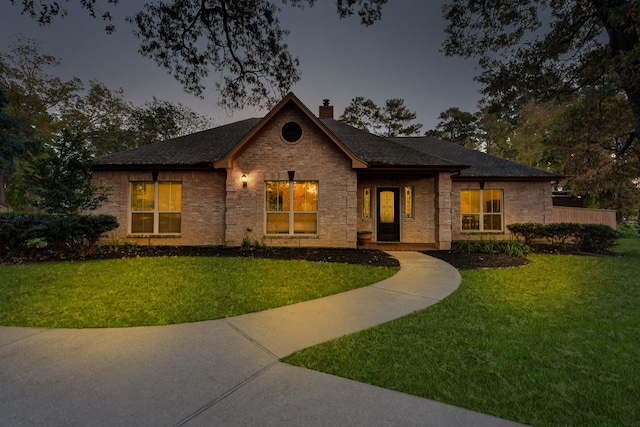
x: 315, y: 158
x: 202, y: 206
x: 524, y: 201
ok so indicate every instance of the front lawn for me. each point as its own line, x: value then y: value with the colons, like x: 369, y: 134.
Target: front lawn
x: 165, y: 290
x: 553, y: 343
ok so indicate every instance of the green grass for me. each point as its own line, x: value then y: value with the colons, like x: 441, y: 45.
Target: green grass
x: 159, y: 291
x: 554, y: 343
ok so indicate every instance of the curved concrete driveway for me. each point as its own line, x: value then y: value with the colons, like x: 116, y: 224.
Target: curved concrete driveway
x: 222, y: 372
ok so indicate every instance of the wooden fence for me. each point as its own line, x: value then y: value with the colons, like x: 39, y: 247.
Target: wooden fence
x: 584, y: 216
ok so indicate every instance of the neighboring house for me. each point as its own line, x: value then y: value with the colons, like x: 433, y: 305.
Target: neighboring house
x: 294, y: 179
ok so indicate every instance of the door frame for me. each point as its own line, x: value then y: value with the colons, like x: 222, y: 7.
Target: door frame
x: 388, y: 232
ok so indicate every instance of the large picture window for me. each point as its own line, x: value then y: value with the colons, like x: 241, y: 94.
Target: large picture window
x: 481, y: 210
x: 291, y: 207
x: 156, y: 207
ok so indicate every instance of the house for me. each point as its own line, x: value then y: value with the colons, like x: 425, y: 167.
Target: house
x: 296, y: 179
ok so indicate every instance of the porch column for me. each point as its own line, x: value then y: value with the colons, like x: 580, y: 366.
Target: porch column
x: 443, y: 211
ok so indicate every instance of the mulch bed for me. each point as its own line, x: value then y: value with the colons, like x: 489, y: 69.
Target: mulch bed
x: 475, y: 260
x: 348, y: 256
x: 460, y: 260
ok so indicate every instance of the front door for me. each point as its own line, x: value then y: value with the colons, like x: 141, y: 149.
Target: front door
x: 388, y: 215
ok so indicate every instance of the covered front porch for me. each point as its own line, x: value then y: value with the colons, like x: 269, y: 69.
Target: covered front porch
x: 406, y: 210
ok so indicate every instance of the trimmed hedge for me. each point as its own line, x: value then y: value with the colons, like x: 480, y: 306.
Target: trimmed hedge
x: 582, y: 237
x: 492, y: 246
x: 37, y: 235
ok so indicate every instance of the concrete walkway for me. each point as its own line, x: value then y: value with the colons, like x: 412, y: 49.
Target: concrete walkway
x: 222, y: 372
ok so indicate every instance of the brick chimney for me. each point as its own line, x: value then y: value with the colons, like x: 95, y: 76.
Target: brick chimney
x: 326, y: 110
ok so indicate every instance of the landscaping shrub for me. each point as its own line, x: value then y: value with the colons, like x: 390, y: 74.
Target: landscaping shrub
x: 581, y: 237
x: 492, y: 246
x: 14, y: 229
x: 595, y: 237
x: 561, y: 233
x: 30, y: 235
x: 528, y: 231
x: 629, y: 229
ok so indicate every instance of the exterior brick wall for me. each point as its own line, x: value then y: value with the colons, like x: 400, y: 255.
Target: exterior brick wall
x: 217, y: 209
x: 444, y: 211
x: 202, y: 206
x: 524, y: 201
x: 315, y: 158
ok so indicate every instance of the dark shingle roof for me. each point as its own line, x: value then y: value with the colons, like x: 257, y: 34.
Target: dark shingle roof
x: 206, y: 147
x: 379, y: 151
x: 482, y: 165
x: 200, y: 148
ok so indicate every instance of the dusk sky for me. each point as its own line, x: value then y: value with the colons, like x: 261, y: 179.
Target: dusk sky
x: 397, y: 57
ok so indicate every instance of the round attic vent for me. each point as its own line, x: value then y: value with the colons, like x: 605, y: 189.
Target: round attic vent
x: 291, y: 132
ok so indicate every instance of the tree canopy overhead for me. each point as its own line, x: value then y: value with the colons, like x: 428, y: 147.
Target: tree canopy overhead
x: 393, y: 119
x: 457, y: 126
x: 241, y: 41
x: 542, y: 48
x: 49, y: 126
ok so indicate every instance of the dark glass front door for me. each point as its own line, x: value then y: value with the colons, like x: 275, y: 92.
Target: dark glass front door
x: 388, y: 215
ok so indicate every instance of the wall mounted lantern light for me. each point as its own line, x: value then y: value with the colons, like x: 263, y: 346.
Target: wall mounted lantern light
x: 244, y: 180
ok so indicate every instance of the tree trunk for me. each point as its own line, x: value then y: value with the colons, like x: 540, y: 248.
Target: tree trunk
x: 2, y: 192
x: 31, y: 194
x: 619, y: 213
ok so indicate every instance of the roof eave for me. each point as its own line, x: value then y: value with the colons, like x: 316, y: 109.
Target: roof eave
x: 147, y: 166
x: 418, y: 168
x: 507, y: 177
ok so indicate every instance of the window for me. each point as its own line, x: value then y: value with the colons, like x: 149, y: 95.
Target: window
x: 291, y: 132
x: 291, y: 207
x: 156, y: 207
x: 366, y: 202
x: 481, y: 210
x: 408, y: 202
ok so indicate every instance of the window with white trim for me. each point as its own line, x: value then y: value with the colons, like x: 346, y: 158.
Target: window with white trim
x: 156, y: 207
x: 291, y: 207
x: 481, y: 210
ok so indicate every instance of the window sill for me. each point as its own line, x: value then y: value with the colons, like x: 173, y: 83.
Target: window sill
x: 154, y: 236
x: 472, y: 232
x: 292, y: 236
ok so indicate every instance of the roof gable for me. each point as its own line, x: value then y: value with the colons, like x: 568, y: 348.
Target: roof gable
x: 227, y: 160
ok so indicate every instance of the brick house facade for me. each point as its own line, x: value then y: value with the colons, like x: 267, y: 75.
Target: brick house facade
x: 294, y: 179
